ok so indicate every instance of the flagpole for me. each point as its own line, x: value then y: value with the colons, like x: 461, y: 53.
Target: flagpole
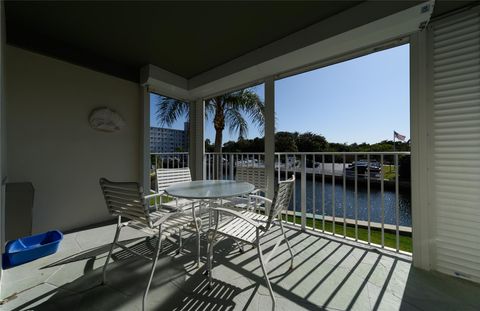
x: 393, y: 141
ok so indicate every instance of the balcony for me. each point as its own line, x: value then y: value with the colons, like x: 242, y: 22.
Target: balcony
x: 330, y: 273
x: 362, y: 240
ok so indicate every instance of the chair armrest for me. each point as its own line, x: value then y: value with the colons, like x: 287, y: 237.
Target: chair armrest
x: 147, y: 197
x: 238, y: 215
x: 162, y: 219
x: 151, y: 191
x: 261, y: 198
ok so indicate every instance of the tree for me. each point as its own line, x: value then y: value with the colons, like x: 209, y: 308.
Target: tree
x: 226, y: 111
x: 285, y: 142
x: 337, y: 147
x: 310, y: 142
x: 208, y: 145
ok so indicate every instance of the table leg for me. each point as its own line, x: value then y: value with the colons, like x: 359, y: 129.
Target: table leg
x: 196, y: 223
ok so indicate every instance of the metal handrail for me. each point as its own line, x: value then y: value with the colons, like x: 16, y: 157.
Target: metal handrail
x: 335, y: 170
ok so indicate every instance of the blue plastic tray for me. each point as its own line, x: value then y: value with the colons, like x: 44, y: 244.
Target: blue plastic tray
x: 26, y: 249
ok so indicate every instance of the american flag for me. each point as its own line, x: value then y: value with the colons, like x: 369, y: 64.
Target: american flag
x: 399, y: 136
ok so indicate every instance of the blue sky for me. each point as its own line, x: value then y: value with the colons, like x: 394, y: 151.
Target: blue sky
x: 361, y: 100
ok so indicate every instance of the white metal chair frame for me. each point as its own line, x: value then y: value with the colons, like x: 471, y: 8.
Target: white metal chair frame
x: 260, y: 224
x: 257, y: 177
x: 126, y: 199
x: 167, y: 177
x: 170, y: 176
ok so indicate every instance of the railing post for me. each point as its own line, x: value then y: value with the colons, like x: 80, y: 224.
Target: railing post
x: 303, y: 192
x: 232, y: 173
x: 220, y: 165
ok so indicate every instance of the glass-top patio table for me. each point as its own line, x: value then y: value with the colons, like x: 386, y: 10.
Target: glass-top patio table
x: 205, y: 190
x: 209, y: 189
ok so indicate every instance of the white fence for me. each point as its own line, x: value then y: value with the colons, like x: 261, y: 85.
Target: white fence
x: 357, y: 195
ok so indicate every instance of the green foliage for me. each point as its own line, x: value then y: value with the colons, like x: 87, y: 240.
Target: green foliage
x: 209, y: 147
x: 310, y: 142
x: 244, y: 145
x: 285, y: 142
x: 229, y: 110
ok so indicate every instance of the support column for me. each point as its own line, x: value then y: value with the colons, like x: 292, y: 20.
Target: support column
x: 270, y: 136
x: 419, y: 122
x: 145, y: 140
x: 197, y: 139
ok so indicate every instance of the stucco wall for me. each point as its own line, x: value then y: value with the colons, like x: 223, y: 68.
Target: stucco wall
x: 51, y: 144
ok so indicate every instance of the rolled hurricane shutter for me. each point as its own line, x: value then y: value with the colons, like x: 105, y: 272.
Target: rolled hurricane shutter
x: 455, y: 130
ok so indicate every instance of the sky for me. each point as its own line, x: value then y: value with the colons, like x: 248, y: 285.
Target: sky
x: 360, y: 100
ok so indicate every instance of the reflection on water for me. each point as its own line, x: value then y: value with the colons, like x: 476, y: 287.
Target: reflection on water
x: 405, y: 213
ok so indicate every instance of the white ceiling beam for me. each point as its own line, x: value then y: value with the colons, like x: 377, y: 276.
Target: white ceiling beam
x: 163, y: 82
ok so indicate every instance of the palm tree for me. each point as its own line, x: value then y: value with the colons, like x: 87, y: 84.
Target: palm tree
x: 227, y: 110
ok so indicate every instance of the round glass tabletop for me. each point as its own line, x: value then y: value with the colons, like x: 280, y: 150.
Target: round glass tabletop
x: 209, y: 189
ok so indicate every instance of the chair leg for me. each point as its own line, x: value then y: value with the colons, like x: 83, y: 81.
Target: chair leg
x: 288, y: 245
x: 209, y: 218
x: 180, y: 241
x: 198, y: 249
x: 211, y: 243
x: 265, y: 274
x: 154, y: 264
x: 197, y: 229
x: 240, y: 246
x: 210, y: 260
x: 115, y: 240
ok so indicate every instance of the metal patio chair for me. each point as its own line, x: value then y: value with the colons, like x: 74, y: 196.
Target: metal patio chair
x: 170, y: 176
x: 255, y: 176
x: 126, y: 201
x: 166, y: 177
x: 249, y: 228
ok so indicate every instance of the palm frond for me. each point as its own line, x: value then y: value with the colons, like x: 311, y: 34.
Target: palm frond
x: 169, y: 110
x: 209, y: 109
x: 238, y: 108
x: 254, y: 108
x: 236, y: 122
x: 251, y: 105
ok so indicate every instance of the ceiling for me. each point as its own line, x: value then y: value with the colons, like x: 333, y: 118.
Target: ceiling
x: 184, y: 37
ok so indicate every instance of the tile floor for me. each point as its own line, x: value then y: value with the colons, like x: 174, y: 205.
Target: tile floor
x: 329, y: 274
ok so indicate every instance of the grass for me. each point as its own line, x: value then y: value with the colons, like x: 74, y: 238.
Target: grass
x: 165, y: 199
x: 375, y: 234
x: 389, y: 172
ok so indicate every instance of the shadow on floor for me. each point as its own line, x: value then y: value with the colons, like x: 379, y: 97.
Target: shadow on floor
x: 177, y: 284
x: 328, y: 273
x: 95, y: 252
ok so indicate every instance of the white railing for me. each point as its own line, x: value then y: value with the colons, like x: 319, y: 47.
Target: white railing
x: 334, y: 195
x: 169, y: 160
x: 366, y: 201
x: 222, y: 165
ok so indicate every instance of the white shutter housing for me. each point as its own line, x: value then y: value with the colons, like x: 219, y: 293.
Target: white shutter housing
x: 454, y: 69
